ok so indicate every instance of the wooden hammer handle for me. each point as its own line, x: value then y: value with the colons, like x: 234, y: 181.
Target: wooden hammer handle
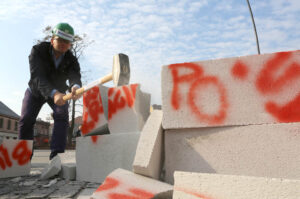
x: 69, y: 95
x: 81, y: 90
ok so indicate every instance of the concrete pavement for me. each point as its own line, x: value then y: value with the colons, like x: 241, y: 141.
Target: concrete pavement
x: 31, y: 186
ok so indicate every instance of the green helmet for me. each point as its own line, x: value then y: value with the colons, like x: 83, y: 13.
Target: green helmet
x: 64, y: 31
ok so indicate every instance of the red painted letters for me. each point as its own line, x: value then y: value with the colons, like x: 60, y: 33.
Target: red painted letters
x: 193, y: 193
x: 268, y: 82
x: 20, y: 153
x: 240, y: 70
x: 92, y: 109
x: 197, y: 81
x: 134, y: 193
x: 117, y: 100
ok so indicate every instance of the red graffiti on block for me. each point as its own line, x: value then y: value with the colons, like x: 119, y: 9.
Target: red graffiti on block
x: 269, y: 82
x: 119, y: 98
x: 92, y: 109
x: 197, y: 81
x: 135, y: 193
x: 109, y: 183
x: 193, y: 193
x: 21, y: 153
x: 240, y: 70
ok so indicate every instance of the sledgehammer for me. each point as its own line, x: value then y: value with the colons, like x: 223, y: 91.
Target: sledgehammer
x: 120, y: 75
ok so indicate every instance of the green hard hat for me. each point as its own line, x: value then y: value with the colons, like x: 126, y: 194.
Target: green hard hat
x: 64, y: 31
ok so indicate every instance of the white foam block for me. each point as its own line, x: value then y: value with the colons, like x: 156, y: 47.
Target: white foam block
x: 128, y: 109
x: 252, y: 89
x: 148, y: 155
x: 125, y: 184
x: 95, y: 159
x: 15, y: 157
x: 269, y: 150
x: 214, y: 186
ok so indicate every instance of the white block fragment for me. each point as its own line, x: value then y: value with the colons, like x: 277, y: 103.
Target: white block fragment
x: 68, y: 171
x: 96, y: 158
x: 148, y: 158
x: 52, y: 169
x: 214, y: 186
x: 125, y: 184
x: 252, y: 89
x: 269, y: 150
x: 15, y: 157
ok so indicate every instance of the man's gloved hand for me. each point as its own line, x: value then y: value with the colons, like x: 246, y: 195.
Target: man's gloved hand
x: 58, y: 98
x: 73, y: 91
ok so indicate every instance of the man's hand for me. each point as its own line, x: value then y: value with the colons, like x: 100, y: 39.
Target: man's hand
x: 58, y: 98
x: 74, y: 96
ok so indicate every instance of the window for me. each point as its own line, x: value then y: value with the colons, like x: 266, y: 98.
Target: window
x: 8, y: 124
x: 16, y: 125
x: 1, y: 122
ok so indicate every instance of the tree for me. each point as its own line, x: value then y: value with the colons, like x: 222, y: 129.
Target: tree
x: 80, y: 43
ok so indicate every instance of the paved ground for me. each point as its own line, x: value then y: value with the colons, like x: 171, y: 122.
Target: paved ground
x: 31, y: 187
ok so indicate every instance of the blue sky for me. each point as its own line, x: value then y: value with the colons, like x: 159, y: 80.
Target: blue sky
x: 152, y: 33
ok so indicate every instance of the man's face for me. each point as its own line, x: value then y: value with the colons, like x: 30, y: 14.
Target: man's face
x: 60, y: 45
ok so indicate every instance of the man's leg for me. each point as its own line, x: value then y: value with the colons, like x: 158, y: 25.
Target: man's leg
x: 31, y: 107
x: 61, y: 124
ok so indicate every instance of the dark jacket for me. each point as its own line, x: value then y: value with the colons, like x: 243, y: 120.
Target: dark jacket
x: 44, y: 77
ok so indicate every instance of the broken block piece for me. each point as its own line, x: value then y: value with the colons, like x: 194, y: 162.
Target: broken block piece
x: 68, y: 171
x: 148, y: 158
x: 96, y: 158
x: 15, y: 157
x: 93, y: 116
x: 52, y: 169
x: 125, y: 184
x: 123, y: 109
x: 254, y: 89
x: 213, y: 186
x: 128, y: 109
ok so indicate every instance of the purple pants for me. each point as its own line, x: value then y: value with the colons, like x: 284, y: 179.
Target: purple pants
x: 31, y: 107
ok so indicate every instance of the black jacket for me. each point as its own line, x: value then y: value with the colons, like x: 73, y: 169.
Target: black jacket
x: 44, y: 77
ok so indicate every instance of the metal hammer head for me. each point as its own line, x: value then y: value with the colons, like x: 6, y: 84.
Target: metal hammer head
x: 121, y: 70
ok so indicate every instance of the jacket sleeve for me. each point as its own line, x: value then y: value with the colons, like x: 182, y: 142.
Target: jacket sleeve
x: 74, y: 73
x: 38, y: 73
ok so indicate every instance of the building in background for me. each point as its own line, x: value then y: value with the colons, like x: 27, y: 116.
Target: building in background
x: 8, y: 122
x: 9, y: 127
x: 41, y: 134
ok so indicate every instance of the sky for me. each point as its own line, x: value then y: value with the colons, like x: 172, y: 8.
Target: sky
x: 152, y: 33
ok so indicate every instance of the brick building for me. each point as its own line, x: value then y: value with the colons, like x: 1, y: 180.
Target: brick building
x: 8, y: 122
x: 9, y: 127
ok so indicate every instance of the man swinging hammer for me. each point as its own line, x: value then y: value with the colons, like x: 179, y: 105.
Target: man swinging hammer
x: 51, y: 65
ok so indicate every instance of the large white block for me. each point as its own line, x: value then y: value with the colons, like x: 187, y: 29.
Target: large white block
x: 124, y: 108
x: 214, y: 186
x: 148, y: 157
x: 95, y: 159
x: 15, y: 157
x: 233, y: 91
x: 125, y: 184
x: 269, y: 150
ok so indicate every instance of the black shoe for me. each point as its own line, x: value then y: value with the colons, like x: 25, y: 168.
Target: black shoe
x: 52, y: 155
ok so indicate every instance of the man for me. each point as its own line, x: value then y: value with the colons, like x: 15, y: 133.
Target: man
x: 51, y: 65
